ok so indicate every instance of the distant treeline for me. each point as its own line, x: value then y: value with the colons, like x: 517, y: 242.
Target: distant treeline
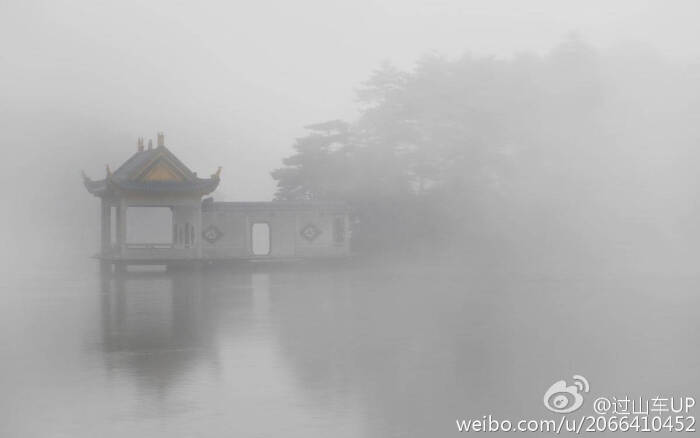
x: 531, y: 153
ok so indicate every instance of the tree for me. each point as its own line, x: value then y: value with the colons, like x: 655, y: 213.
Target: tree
x: 516, y: 150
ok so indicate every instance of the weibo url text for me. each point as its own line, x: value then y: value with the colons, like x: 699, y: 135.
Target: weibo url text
x: 582, y: 424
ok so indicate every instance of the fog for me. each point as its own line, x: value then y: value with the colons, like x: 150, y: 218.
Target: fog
x: 486, y: 149
x: 233, y: 84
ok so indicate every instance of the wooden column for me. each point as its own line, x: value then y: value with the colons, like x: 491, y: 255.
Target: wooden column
x: 106, y: 227
x: 197, y: 237
x: 121, y: 226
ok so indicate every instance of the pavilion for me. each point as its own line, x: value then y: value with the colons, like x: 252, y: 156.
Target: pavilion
x: 204, y: 230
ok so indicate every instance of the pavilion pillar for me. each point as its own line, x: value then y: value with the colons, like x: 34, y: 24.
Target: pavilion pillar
x: 198, y: 228
x: 106, y: 230
x: 121, y: 226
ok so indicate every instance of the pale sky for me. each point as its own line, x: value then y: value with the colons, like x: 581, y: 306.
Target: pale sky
x: 233, y: 83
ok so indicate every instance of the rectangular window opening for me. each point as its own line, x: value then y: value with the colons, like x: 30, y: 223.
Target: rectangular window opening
x: 149, y: 225
x: 339, y: 229
x: 260, y: 238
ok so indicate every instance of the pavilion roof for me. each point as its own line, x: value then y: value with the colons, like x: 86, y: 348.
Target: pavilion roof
x: 154, y: 170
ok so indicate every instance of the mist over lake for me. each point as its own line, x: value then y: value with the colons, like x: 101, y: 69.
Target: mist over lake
x: 360, y: 219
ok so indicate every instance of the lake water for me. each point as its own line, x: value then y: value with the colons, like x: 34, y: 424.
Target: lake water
x: 360, y: 350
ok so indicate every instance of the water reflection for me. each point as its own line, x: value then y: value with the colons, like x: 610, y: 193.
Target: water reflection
x: 164, y: 323
x: 205, y: 343
x: 350, y: 350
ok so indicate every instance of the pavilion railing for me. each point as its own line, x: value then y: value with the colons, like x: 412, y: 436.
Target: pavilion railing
x: 149, y: 246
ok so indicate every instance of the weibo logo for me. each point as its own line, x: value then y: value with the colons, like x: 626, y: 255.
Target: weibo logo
x: 564, y: 399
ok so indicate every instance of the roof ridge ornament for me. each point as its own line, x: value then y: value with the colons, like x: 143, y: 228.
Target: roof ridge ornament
x: 139, y: 143
x: 217, y: 174
x: 109, y: 172
x: 161, y: 140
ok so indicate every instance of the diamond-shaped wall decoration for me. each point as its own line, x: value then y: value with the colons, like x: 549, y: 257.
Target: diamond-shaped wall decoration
x: 211, y: 234
x: 310, y: 232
